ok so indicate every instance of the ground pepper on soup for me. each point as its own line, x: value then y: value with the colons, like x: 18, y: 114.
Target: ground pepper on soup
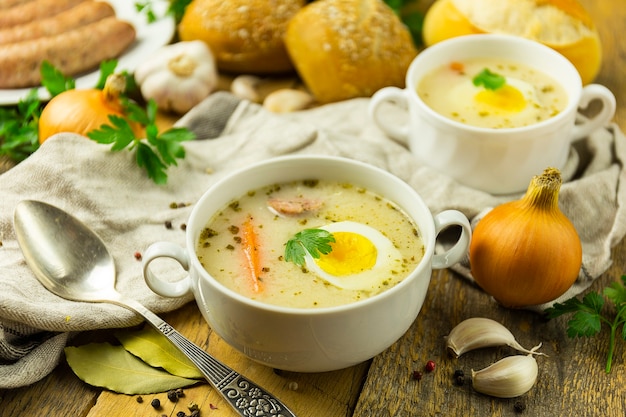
x: 247, y: 246
x: 492, y: 93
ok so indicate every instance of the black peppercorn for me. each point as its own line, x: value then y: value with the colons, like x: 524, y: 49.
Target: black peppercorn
x: 172, y: 396
x: 181, y: 414
x: 155, y: 403
x: 519, y: 407
x: 140, y: 399
x: 459, y: 377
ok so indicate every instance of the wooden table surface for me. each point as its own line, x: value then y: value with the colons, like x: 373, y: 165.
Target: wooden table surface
x: 571, y: 380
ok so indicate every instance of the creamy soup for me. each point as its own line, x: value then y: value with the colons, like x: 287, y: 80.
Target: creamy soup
x: 492, y: 93
x: 262, y: 245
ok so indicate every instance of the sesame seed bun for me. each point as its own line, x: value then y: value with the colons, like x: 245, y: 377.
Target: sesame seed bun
x: 349, y: 48
x: 245, y: 36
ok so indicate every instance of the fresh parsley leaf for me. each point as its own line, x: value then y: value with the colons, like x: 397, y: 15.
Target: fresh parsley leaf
x: 119, y: 133
x: 588, y: 318
x: 313, y: 241
x: 147, y: 9
x: 616, y: 292
x: 54, y: 80
x: 19, y: 127
x: 106, y: 68
x: 154, y: 154
x: 177, y: 9
x: 489, y: 80
x: 414, y: 21
x: 147, y: 159
x: 584, y: 324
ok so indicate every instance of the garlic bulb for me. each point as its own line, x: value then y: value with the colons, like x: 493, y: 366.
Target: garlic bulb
x: 508, y: 378
x: 480, y: 332
x: 178, y: 76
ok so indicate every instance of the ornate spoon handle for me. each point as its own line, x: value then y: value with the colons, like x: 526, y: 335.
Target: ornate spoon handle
x: 243, y: 395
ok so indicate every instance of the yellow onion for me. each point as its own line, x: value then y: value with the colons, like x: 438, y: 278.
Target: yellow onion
x: 527, y: 252
x: 81, y: 111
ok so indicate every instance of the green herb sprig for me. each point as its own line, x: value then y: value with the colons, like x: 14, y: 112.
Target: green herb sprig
x: 19, y: 125
x: 176, y: 9
x: 414, y: 21
x: 588, y: 318
x: 19, y: 135
x: 159, y: 151
x: 313, y: 241
x: 489, y: 80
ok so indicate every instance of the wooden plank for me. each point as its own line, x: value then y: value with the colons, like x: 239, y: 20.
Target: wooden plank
x: 308, y: 395
x: 59, y: 394
x: 572, y: 379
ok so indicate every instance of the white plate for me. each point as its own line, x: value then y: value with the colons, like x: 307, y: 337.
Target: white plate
x: 150, y: 37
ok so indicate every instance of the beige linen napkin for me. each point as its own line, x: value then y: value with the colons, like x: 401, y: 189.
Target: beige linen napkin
x: 110, y: 194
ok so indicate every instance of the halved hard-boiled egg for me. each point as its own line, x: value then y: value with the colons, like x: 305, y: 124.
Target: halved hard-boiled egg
x: 516, y: 102
x: 362, y: 258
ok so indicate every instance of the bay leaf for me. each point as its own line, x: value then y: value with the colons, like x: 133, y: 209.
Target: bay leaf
x: 154, y: 348
x: 114, y: 368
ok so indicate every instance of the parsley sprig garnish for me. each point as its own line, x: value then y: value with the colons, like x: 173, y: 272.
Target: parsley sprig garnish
x: 588, y: 317
x: 313, y: 241
x: 489, y: 80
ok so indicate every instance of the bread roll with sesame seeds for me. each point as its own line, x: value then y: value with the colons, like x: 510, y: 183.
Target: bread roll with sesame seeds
x: 245, y: 36
x: 349, y: 48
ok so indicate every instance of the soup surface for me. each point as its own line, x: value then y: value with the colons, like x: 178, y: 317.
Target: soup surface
x: 492, y: 93
x: 264, y: 244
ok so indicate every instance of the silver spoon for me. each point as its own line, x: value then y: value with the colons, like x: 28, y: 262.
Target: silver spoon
x: 71, y: 261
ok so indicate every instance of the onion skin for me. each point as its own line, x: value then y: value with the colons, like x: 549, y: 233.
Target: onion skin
x: 81, y: 111
x: 527, y: 252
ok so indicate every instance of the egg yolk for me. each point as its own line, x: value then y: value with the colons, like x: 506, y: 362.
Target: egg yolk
x: 352, y: 253
x: 505, y: 98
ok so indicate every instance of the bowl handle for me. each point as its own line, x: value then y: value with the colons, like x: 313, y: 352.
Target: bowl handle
x: 160, y: 286
x: 458, y: 251
x: 590, y: 93
x: 392, y: 95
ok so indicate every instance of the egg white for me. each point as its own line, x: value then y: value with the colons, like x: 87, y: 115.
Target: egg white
x: 388, y: 259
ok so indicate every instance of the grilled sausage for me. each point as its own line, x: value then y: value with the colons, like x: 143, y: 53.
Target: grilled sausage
x: 34, y: 10
x: 84, y: 13
x: 71, y: 52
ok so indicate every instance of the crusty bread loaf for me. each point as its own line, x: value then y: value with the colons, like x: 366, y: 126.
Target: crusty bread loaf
x: 349, y: 48
x: 245, y: 36
x: 563, y: 25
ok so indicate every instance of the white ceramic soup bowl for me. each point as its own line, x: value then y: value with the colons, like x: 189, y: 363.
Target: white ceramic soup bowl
x: 308, y: 340
x: 498, y: 161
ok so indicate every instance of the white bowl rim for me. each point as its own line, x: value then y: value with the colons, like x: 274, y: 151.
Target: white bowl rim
x: 499, y: 38
x: 322, y: 311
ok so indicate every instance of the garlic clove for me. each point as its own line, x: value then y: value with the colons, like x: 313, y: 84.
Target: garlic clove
x: 480, y: 332
x: 507, y: 378
x: 246, y: 87
x: 287, y: 100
